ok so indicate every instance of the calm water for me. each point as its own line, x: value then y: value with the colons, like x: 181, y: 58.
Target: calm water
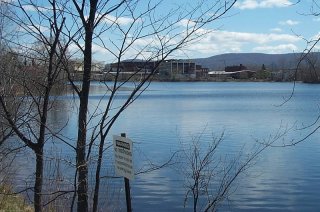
x: 169, y: 114
x: 282, y: 179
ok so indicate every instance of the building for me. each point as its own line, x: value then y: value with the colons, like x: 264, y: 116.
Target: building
x: 182, y: 70
x: 235, y: 72
x: 133, y: 69
x: 201, y: 73
x: 132, y: 66
x: 235, y: 68
x: 164, y: 70
x: 96, y: 66
x: 78, y: 67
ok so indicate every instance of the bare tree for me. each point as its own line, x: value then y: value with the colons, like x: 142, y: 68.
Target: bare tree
x: 6, y: 60
x: 141, y: 33
x: 25, y: 101
x: 309, y: 68
x: 163, y: 35
x: 306, y: 69
x: 210, y: 176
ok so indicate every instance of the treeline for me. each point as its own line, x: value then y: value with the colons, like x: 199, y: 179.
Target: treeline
x: 304, y: 68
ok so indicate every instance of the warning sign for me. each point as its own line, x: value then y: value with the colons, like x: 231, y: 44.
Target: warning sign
x: 123, y: 156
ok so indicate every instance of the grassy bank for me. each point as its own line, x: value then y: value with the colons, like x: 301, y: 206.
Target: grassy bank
x: 12, y: 202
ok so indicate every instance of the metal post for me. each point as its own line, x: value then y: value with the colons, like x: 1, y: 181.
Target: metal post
x: 127, y: 188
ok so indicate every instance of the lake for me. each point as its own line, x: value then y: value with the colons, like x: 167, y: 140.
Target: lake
x: 168, y: 115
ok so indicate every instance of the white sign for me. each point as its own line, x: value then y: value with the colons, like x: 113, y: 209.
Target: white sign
x: 123, y: 156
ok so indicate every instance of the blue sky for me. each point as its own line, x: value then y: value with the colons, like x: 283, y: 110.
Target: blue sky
x: 262, y: 26
x: 265, y: 26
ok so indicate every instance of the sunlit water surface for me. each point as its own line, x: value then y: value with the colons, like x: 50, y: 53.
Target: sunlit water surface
x: 169, y: 114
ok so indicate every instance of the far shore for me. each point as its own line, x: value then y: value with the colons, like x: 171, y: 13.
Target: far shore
x: 214, y: 80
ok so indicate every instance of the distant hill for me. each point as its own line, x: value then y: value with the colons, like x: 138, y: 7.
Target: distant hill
x: 251, y: 60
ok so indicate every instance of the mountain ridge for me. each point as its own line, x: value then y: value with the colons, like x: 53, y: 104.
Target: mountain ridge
x: 251, y: 60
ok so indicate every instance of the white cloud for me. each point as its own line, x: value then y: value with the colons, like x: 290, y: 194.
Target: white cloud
x: 277, y: 49
x: 214, y: 42
x: 110, y: 19
x: 254, y: 4
x: 226, y: 41
x: 275, y: 3
x: 289, y: 22
x: 260, y: 38
x: 34, y: 8
x: 186, y: 23
x: 276, y: 30
x: 315, y: 37
x: 99, y: 53
x: 247, y: 4
x: 96, y: 49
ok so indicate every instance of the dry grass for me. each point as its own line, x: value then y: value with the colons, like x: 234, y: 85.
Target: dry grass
x: 12, y: 202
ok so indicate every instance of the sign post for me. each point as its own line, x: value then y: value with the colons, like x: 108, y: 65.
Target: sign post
x: 123, y: 163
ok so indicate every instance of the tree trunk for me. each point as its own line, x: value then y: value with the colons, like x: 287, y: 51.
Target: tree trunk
x: 82, y: 127
x: 97, y: 185
x: 81, y: 162
x: 39, y: 180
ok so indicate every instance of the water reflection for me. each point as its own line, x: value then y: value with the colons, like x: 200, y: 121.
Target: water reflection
x: 282, y: 179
